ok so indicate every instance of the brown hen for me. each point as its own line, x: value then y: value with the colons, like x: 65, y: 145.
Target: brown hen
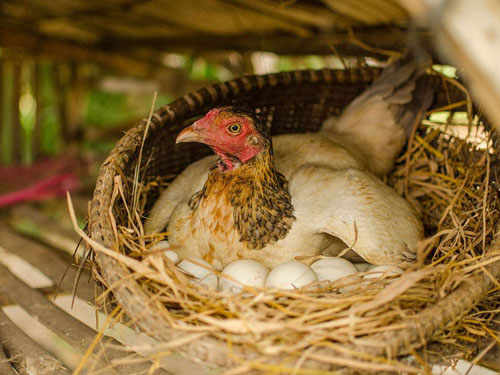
x: 315, y: 193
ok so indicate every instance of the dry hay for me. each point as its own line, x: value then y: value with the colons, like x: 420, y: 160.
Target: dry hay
x: 447, y: 180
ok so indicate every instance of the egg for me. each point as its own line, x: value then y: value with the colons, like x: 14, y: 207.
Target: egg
x: 378, y: 271
x: 161, y: 245
x: 164, y: 245
x: 332, y: 269
x: 362, y: 267
x: 243, y: 272
x: 201, y: 270
x: 290, y: 275
x: 172, y: 255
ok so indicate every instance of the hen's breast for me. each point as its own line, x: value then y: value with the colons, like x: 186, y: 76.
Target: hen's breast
x: 207, y: 232
x: 212, y: 222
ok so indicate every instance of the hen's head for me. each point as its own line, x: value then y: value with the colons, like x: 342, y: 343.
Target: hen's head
x: 236, y: 135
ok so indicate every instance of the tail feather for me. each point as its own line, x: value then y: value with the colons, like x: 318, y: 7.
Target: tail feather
x: 376, y: 124
x: 414, y: 110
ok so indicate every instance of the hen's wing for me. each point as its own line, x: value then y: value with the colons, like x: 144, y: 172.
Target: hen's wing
x: 375, y: 125
x: 356, y: 207
x: 180, y: 190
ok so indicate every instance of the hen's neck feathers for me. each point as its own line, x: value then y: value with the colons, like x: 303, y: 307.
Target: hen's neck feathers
x: 258, y: 197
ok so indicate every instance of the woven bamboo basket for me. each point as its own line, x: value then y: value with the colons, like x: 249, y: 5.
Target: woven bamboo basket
x: 290, y: 102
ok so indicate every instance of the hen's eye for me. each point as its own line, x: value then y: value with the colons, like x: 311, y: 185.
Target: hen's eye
x: 234, y: 128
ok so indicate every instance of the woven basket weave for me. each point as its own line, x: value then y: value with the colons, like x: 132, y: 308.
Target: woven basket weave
x: 291, y: 102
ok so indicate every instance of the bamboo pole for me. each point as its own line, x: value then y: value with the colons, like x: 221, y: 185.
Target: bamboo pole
x: 467, y: 34
x: 60, y: 94
x: 384, y: 38
x: 16, y: 123
x: 58, y: 49
x: 37, y: 93
x: 3, y: 155
x: 75, y: 100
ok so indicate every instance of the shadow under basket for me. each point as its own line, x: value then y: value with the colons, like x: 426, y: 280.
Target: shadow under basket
x: 364, y: 331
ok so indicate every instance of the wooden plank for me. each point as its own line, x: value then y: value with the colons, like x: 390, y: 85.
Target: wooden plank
x: 121, y: 53
x: 359, y: 13
x: 492, y: 359
x: 299, y: 12
x: 47, y: 261
x: 63, y: 50
x: 467, y: 35
x: 382, y: 38
x: 471, y: 33
x: 30, y: 221
x: 225, y: 18
x: 26, y: 355
x: 5, y: 366
x: 16, y: 123
x: 72, y: 330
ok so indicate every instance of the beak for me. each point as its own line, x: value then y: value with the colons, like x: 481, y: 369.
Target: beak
x: 190, y: 134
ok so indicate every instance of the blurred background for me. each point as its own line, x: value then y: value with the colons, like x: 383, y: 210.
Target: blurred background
x: 76, y: 74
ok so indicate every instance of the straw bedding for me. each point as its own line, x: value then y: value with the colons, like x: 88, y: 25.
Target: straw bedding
x: 448, y: 295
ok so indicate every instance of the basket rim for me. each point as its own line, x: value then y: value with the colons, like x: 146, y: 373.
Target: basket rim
x: 137, y: 305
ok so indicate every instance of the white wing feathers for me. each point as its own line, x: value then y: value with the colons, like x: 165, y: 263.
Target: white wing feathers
x: 358, y: 208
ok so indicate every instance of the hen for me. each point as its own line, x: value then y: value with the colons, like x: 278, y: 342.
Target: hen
x: 307, y: 194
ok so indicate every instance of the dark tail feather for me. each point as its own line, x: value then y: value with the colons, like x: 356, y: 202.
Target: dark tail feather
x: 414, y: 111
x: 412, y: 91
x: 377, y: 123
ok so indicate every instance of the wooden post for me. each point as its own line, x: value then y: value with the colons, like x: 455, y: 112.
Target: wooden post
x: 247, y: 63
x: 37, y: 93
x: 2, y: 114
x: 16, y: 123
x: 467, y: 33
x: 75, y: 102
x: 60, y: 94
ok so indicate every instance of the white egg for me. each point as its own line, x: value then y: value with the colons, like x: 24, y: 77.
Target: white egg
x: 172, y: 255
x: 243, y: 272
x: 164, y: 245
x: 201, y: 270
x: 378, y: 271
x: 332, y: 269
x: 362, y: 267
x: 290, y: 275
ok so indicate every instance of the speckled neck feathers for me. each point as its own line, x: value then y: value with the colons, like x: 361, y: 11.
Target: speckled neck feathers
x: 258, y: 197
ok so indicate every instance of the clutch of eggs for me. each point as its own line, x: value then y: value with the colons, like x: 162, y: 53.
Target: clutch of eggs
x: 288, y: 275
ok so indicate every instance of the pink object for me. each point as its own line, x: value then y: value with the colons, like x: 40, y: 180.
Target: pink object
x: 42, y: 180
x: 47, y: 188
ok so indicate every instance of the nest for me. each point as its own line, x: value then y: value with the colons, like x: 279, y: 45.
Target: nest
x: 450, y: 180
